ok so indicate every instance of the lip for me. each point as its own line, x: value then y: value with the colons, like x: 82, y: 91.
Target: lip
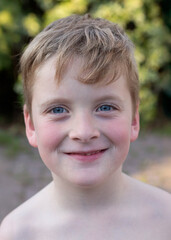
x: 87, y: 156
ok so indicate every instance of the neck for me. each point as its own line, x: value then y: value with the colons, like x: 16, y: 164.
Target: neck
x: 76, y: 198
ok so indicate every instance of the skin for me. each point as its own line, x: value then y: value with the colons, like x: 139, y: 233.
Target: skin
x: 83, y: 134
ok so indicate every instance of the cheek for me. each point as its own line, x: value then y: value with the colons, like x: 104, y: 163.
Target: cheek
x: 49, y: 139
x: 118, y: 131
x: 49, y: 136
x: 119, y: 136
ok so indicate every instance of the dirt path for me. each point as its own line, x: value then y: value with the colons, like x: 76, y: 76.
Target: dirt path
x: 23, y: 175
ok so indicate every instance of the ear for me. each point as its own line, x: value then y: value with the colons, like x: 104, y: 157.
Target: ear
x: 30, y: 131
x: 135, y: 127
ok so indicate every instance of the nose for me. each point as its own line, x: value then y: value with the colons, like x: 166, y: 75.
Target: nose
x: 84, y: 129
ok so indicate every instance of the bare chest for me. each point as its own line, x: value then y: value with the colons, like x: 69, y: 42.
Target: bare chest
x: 98, y: 229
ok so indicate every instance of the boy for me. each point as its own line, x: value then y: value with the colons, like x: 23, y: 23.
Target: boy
x: 81, y: 111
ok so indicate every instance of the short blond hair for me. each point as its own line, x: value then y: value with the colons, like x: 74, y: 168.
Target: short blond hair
x: 103, y: 45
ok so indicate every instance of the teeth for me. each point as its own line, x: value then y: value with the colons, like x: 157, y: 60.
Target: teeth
x: 88, y: 154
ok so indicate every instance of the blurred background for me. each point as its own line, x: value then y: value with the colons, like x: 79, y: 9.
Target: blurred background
x: 148, y: 24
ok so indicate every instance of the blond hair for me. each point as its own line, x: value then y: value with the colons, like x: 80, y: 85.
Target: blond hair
x: 106, y: 49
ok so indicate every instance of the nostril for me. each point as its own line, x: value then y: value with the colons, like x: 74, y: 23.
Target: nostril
x: 83, y: 136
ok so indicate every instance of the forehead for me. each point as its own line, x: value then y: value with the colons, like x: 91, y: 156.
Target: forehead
x: 76, y: 68
x: 70, y: 85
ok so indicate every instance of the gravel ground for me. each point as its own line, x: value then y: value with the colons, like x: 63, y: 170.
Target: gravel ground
x: 23, y: 174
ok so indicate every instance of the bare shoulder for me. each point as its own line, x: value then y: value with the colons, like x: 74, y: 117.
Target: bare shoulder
x: 154, y: 203
x: 160, y: 202
x: 152, y: 195
x: 5, y: 229
x: 160, y: 197
x: 15, y: 224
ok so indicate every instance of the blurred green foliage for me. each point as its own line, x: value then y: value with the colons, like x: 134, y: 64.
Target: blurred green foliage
x: 12, y: 142
x: 144, y: 21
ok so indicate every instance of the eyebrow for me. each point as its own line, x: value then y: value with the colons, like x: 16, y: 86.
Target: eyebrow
x: 116, y: 98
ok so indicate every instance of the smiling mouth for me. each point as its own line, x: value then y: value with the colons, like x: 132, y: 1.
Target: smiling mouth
x: 86, y: 153
x: 88, y: 156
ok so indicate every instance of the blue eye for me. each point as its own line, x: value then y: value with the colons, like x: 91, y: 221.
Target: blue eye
x: 105, y: 108
x: 58, y: 110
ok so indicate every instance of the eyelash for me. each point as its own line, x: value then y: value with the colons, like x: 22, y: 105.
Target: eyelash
x: 105, y: 106
x: 64, y: 110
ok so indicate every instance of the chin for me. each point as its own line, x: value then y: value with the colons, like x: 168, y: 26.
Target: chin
x: 87, y: 180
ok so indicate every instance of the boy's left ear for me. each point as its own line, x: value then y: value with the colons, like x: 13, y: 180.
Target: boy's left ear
x: 135, y: 127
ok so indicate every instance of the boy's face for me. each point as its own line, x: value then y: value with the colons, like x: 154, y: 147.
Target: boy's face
x: 83, y: 132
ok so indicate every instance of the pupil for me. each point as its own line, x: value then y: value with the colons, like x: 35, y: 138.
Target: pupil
x: 105, y: 108
x: 58, y: 110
